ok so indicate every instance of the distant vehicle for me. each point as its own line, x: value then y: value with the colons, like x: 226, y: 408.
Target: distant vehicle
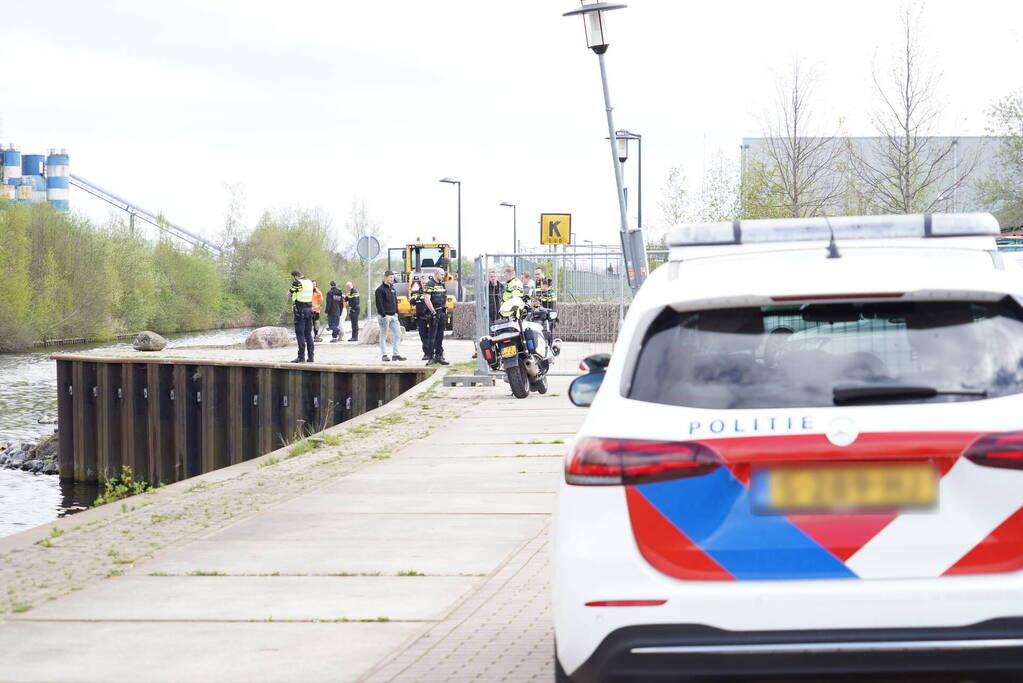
x: 595, y: 363
x: 805, y: 458
x: 420, y: 259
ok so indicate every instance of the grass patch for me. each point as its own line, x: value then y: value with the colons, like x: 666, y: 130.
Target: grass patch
x: 410, y: 572
x: 156, y: 519
x: 203, y: 572
x: 56, y: 533
x: 331, y: 440
x: 199, y: 487
x: 20, y: 607
x: 270, y: 462
x: 121, y: 486
x: 301, y: 447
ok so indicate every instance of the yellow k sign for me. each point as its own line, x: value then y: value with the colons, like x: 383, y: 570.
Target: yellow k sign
x: 555, y: 228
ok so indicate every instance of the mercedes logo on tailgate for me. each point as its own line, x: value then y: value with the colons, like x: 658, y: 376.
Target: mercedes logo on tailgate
x: 842, y: 431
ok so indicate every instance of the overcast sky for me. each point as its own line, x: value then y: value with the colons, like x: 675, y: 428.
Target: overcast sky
x: 313, y: 103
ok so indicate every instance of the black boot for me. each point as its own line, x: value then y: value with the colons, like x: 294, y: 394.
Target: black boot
x: 300, y: 359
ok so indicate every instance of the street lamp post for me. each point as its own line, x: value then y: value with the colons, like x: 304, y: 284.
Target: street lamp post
x: 515, y: 234
x: 633, y: 248
x: 452, y: 181
x: 622, y: 137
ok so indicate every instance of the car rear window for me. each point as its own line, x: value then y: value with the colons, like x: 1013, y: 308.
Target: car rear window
x: 804, y: 356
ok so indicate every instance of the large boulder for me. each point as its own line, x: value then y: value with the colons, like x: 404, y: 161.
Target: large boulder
x: 148, y: 341
x: 268, y: 338
x: 369, y: 332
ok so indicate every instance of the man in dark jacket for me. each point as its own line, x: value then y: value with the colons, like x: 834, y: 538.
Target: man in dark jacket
x: 334, y: 302
x: 495, y: 295
x: 352, y: 301
x: 387, y: 312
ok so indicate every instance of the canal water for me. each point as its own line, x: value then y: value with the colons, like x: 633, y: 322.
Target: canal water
x: 28, y: 412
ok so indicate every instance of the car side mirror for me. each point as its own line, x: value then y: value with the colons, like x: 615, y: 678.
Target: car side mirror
x: 583, y: 389
x: 595, y: 363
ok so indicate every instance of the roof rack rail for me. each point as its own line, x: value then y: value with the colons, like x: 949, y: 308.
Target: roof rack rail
x: 842, y: 227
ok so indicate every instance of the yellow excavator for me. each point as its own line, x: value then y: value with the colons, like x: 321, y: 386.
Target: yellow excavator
x: 419, y: 260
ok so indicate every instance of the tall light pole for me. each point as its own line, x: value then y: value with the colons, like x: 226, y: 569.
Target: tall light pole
x: 622, y: 137
x: 515, y: 233
x: 459, y: 254
x: 633, y: 248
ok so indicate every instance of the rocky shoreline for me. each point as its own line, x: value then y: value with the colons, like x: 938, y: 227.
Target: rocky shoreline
x: 38, y: 458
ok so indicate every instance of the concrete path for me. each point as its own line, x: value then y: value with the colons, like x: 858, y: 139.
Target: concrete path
x: 429, y: 565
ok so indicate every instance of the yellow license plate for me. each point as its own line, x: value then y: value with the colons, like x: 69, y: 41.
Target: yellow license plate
x: 509, y: 351
x: 849, y: 487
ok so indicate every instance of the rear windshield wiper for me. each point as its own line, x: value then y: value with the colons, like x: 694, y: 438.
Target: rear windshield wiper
x: 881, y: 392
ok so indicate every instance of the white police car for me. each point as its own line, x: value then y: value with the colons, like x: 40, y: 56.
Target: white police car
x: 806, y: 457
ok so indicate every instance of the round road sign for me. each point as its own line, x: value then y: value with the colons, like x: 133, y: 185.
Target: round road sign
x: 368, y: 247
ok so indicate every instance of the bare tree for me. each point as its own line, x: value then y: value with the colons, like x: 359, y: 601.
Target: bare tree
x: 675, y: 197
x: 906, y: 170
x: 360, y: 223
x: 718, y: 199
x: 1001, y: 191
x: 801, y: 165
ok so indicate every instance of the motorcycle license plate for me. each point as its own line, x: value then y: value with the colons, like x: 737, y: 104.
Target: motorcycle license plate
x: 509, y: 351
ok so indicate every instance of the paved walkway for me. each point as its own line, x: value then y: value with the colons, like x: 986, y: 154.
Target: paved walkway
x: 430, y: 565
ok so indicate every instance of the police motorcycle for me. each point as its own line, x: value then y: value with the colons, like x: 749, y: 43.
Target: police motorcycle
x: 522, y: 344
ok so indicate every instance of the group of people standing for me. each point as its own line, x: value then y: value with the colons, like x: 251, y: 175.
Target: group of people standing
x: 429, y: 299
x: 308, y: 302
x: 537, y: 290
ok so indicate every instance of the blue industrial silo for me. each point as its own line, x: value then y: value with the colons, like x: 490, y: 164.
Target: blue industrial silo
x: 11, y: 165
x: 32, y: 166
x: 58, y: 183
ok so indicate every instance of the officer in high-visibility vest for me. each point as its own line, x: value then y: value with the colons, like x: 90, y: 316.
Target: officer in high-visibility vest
x: 302, y: 301
x: 435, y: 297
x: 513, y: 298
x: 422, y: 316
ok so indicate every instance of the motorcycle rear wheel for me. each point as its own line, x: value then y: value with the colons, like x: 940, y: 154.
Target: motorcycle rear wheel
x: 539, y: 387
x: 518, y: 380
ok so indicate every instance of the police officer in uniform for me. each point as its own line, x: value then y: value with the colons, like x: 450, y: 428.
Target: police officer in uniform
x: 302, y: 301
x: 352, y: 301
x: 416, y: 297
x: 514, y: 292
x: 549, y: 300
x: 436, y: 300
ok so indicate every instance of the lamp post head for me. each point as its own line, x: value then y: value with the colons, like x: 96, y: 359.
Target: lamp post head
x: 507, y: 204
x: 593, y: 23
x: 622, y: 138
x: 451, y: 180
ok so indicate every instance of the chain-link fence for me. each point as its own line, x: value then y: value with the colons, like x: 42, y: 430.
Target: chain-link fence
x: 591, y: 293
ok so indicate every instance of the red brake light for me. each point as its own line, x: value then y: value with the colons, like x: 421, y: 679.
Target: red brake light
x: 997, y: 450
x: 616, y: 462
